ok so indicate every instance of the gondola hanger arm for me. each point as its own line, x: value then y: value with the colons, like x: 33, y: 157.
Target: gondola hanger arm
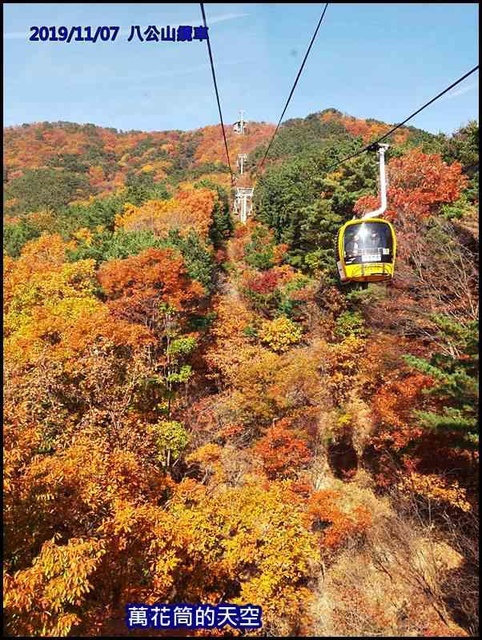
x: 383, y: 185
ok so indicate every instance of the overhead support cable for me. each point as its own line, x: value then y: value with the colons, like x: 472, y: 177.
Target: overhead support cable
x: 373, y: 145
x: 294, y: 85
x: 216, y: 90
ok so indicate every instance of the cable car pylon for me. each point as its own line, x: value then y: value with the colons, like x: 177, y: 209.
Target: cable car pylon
x: 366, y: 247
x: 243, y: 196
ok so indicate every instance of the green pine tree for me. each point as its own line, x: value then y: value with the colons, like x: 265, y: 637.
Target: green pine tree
x: 455, y: 391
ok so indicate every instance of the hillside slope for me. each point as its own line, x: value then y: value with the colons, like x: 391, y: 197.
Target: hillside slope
x: 197, y: 412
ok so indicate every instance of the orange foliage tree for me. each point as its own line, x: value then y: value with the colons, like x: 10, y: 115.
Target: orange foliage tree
x: 136, y: 287
x: 282, y: 453
x: 190, y: 209
x: 418, y: 184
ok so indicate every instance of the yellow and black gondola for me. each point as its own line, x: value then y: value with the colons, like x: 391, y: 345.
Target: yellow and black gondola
x: 366, y: 250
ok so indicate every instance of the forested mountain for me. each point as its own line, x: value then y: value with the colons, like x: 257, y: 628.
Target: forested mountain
x: 196, y: 411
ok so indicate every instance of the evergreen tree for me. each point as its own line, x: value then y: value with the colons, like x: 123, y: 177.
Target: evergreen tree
x: 455, y: 391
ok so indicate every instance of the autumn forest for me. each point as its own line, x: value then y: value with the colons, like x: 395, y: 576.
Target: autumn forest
x: 198, y: 411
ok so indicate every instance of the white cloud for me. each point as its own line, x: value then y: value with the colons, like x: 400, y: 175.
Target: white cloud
x: 460, y: 92
x: 180, y: 71
x: 228, y: 16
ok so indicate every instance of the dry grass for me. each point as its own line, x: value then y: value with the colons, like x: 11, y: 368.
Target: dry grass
x: 392, y: 584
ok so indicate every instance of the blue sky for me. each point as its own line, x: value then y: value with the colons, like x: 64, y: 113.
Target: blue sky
x: 379, y: 61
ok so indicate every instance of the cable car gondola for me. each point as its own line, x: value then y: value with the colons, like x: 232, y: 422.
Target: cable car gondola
x: 366, y: 247
x: 366, y: 250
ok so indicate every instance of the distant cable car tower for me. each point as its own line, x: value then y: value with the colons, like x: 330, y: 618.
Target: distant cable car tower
x: 243, y: 196
x: 242, y: 157
x: 243, y: 203
x: 240, y: 125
